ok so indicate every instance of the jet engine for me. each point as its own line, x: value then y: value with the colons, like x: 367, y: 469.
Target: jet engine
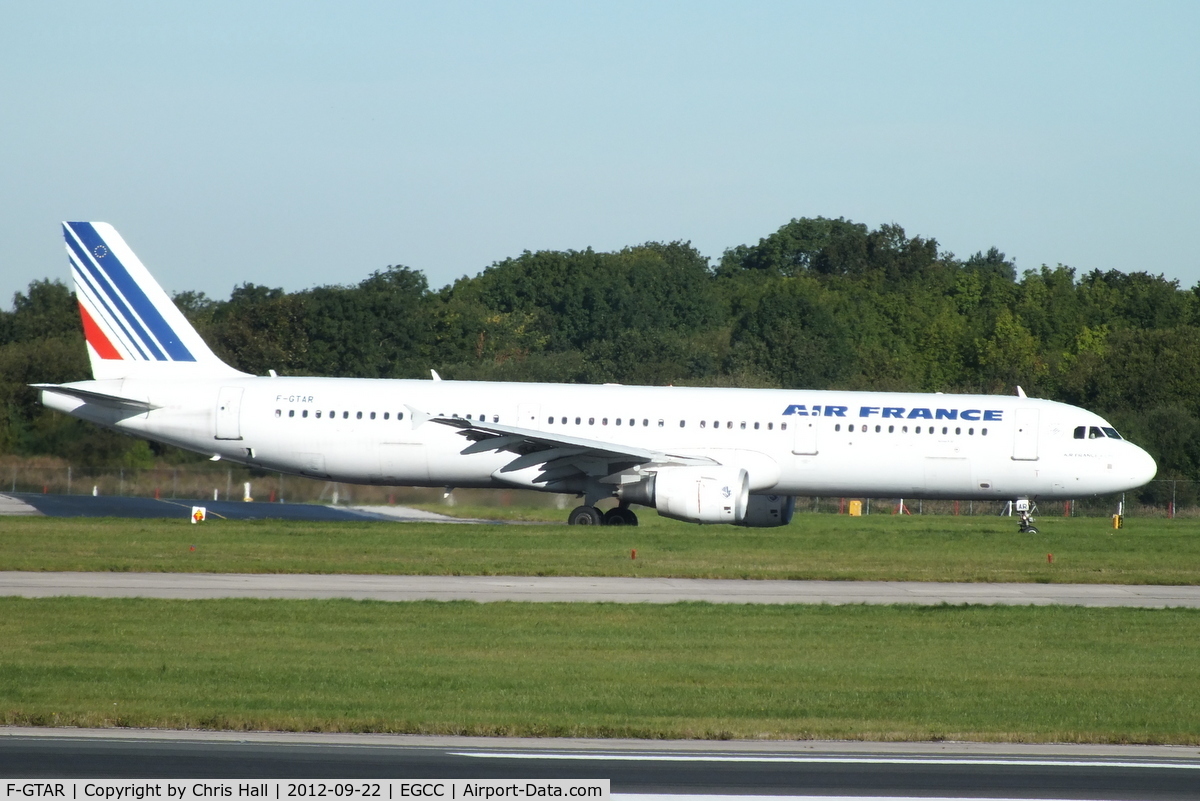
x: 695, y: 494
x: 765, y: 511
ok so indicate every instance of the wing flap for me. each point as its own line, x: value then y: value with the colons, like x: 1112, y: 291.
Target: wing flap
x: 560, y: 456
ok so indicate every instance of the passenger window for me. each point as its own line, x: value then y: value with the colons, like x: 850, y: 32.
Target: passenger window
x: 1080, y: 432
x: 783, y: 426
x: 983, y: 432
x: 399, y: 415
x: 495, y: 418
x: 703, y: 423
x: 682, y: 423
x: 837, y: 427
x: 318, y: 414
x: 604, y: 422
x: 971, y: 431
x: 743, y: 425
x: 864, y: 428
x: 291, y: 412
x: 904, y: 430
x: 958, y: 431
x: 756, y: 426
x: 945, y: 430
x: 577, y: 420
x: 716, y: 423
x: 1095, y: 433
x: 618, y: 421
x: 891, y: 429
x: 304, y: 413
x: 345, y: 415
x: 372, y: 415
x: 878, y: 429
x: 550, y: 420
x: 358, y: 415
x: 918, y: 431
x: 591, y: 421
x: 632, y: 422
x: 730, y: 424
x: 563, y: 420
x: 387, y: 415
x: 278, y: 413
x: 770, y: 426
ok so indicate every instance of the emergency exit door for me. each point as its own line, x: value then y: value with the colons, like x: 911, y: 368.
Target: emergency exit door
x: 1025, y: 436
x: 527, y: 415
x: 804, y: 442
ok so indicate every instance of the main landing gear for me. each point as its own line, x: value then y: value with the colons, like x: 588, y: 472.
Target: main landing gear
x: 591, y: 516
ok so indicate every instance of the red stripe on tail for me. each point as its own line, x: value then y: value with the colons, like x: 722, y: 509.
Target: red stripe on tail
x: 96, y: 338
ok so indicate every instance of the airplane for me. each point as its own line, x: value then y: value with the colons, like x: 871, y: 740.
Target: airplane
x: 703, y: 455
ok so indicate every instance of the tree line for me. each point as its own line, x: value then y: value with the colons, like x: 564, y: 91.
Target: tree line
x: 820, y: 303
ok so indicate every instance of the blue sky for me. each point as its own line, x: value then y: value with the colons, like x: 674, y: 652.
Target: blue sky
x: 296, y: 144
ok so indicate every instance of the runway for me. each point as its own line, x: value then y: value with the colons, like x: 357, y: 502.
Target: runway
x: 49, y: 505
x: 804, y: 768
x: 555, y: 589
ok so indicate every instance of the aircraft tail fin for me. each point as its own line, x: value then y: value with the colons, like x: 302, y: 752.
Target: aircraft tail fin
x: 131, y: 326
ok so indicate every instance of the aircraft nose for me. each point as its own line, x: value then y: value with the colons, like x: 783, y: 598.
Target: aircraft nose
x: 1141, y: 467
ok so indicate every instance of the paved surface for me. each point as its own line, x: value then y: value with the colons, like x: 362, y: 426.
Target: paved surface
x: 557, y: 589
x: 14, y: 506
x: 25, y: 503
x: 811, y: 768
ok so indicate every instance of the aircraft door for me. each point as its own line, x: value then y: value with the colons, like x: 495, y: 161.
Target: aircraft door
x: 527, y: 415
x: 1025, y: 436
x: 229, y: 413
x: 804, y: 442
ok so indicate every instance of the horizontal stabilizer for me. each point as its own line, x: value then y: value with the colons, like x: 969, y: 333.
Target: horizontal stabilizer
x: 99, y: 398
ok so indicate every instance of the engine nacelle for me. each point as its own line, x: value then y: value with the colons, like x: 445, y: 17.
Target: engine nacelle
x: 765, y: 511
x: 702, y: 494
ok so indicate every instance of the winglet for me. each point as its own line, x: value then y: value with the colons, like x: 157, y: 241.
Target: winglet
x: 1021, y: 392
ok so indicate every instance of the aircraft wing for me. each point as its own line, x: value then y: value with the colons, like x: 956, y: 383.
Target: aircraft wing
x: 560, y: 456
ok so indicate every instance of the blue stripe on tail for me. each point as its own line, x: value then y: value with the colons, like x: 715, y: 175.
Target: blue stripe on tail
x: 107, y: 264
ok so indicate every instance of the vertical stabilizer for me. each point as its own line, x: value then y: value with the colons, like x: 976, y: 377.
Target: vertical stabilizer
x: 131, y: 326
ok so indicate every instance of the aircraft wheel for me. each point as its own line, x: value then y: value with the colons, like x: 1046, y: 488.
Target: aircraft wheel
x: 584, y: 516
x: 620, y: 517
x: 1029, y: 530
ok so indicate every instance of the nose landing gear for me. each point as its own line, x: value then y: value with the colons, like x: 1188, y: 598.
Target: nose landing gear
x: 1025, y: 509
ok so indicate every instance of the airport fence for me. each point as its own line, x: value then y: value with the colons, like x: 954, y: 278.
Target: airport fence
x: 1159, y: 498
x: 235, y: 482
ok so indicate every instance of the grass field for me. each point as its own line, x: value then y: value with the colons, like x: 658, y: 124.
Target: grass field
x: 1147, y: 551
x: 678, y: 671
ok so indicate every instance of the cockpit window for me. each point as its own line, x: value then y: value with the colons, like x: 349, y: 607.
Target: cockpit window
x: 1096, y: 432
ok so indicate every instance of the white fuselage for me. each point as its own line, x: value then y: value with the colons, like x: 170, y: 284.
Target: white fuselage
x: 791, y: 442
